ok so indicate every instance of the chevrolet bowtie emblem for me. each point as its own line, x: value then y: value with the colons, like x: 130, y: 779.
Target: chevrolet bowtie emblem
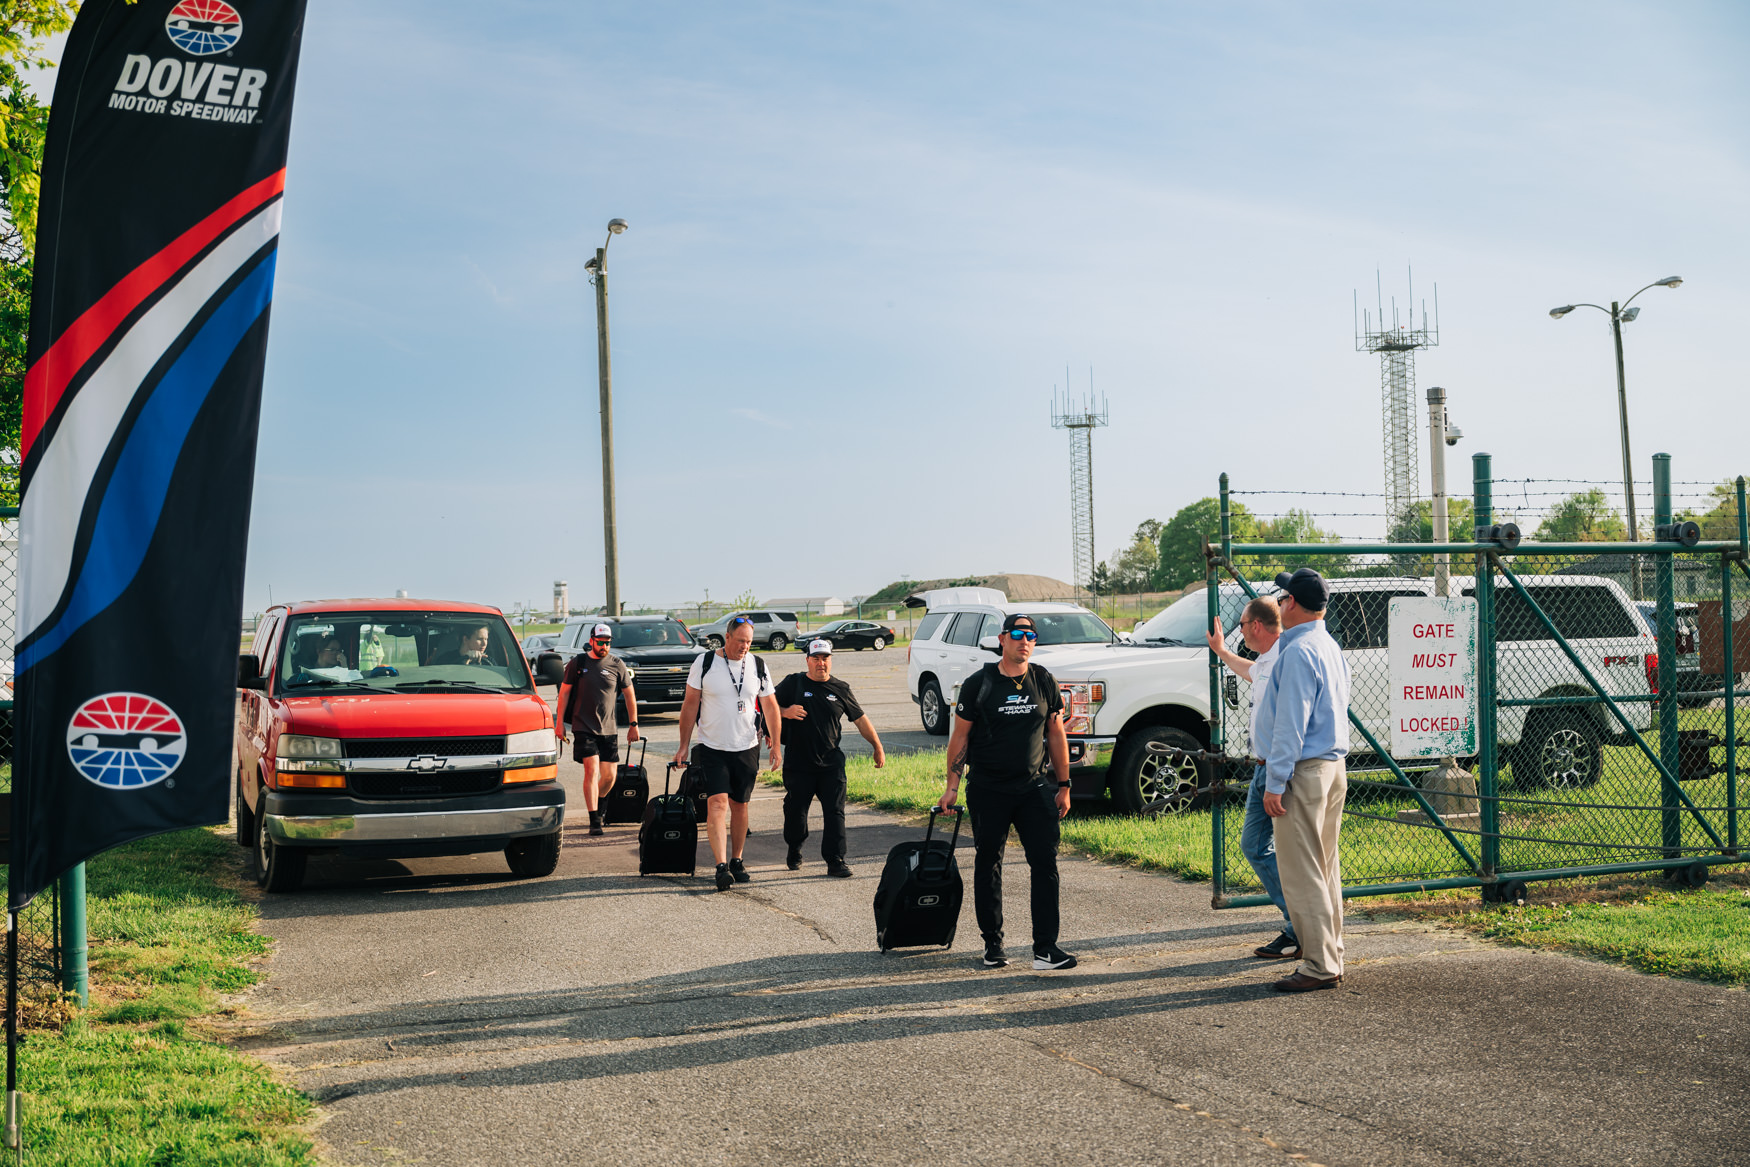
x: 426, y: 763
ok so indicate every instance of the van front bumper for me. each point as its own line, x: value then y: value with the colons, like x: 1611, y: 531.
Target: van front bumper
x: 412, y: 827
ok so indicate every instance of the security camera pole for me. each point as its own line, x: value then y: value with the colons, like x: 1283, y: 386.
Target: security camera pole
x: 1437, y: 482
x: 597, y: 269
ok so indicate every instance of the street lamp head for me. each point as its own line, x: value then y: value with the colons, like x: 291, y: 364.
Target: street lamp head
x: 1629, y: 314
x: 616, y: 226
x: 1671, y: 281
x: 1558, y: 313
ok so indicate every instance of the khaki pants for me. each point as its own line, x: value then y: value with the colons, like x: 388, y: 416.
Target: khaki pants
x: 1308, y: 863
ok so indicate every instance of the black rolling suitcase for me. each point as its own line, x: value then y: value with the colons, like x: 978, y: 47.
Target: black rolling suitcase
x: 668, y: 842
x: 625, y: 802
x: 917, y: 902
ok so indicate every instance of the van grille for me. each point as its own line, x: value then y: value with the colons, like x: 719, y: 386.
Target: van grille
x: 412, y: 785
x: 413, y: 747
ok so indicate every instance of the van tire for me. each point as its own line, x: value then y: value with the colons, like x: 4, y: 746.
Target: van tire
x: 533, y: 857
x: 932, y: 709
x: 1138, y: 778
x: 245, y: 818
x: 1558, y: 751
x: 277, y: 869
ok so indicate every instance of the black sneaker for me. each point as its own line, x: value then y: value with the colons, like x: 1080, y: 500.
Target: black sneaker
x: 738, y: 871
x: 838, y: 871
x: 595, y: 823
x: 1284, y: 947
x: 793, y: 859
x: 1051, y: 957
x: 725, y: 881
x: 993, y: 955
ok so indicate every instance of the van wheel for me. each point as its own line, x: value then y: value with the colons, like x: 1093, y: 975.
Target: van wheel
x: 245, y: 818
x: 277, y: 868
x: 780, y: 642
x: 533, y: 857
x: 878, y: 644
x: 933, y: 709
x: 1560, y: 751
x: 1141, y: 777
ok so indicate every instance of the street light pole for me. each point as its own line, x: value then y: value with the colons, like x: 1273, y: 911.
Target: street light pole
x: 598, y: 269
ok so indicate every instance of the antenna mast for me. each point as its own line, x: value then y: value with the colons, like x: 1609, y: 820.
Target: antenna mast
x: 1397, y: 343
x: 1080, y: 419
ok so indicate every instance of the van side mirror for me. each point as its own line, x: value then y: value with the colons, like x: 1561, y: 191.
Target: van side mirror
x: 991, y: 643
x: 249, y: 672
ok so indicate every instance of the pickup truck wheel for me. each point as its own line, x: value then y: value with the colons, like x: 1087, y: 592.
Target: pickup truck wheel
x: 1141, y: 777
x: 245, y: 819
x: 1560, y: 751
x: 551, y: 670
x: 713, y: 643
x: 533, y: 857
x: 933, y: 709
x: 779, y: 642
x: 878, y: 644
x: 277, y: 869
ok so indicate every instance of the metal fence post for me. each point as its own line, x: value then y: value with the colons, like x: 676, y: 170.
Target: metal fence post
x: 1483, y: 508
x: 1665, y: 624
x: 1731, y: 699
x: 1217, y: 809
x: 74, y: 978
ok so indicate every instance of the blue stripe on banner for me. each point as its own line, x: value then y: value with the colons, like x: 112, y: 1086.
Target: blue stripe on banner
x: 134, y: 496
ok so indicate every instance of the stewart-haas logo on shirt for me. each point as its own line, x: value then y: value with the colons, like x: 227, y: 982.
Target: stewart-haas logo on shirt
x: 1018, y: 703
x: 200, y: 89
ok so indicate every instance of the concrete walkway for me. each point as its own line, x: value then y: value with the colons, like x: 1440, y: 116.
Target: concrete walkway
x: 445, y: 1013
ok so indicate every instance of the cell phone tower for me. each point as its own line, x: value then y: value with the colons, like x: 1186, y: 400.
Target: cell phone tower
x: 1081, y: 419
x: 1396, y: 345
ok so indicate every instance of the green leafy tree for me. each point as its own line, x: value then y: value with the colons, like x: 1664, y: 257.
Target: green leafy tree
x: 1100, y: 580
x: 1181, y: 540
x: 1416, y: 523
x: 1133, y: 569
x: 1718, y: 519
x: 1583, y: 517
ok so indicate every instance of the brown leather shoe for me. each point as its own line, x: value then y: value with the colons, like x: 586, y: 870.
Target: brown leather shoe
x: 1299, y: 982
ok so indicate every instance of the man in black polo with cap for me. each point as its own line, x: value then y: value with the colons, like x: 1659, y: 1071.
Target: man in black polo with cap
x: 814, y: 703
x: 1008, y: 728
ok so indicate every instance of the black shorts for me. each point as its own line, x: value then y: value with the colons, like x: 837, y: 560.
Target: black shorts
x: 726, y: 772
x: 605, y: 746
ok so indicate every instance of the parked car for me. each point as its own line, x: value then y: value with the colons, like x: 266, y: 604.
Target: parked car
x: 657, y: 649
x: 1119, y: 704
x: 537, y: 643
x: 395, y: 729
x: 857, y: 634
x: 1690, y: 678
x: 957, y: 637
x: 772, y: 629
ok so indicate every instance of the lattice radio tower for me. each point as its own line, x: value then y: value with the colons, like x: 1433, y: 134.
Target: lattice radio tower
x: 1080, y: 419
x: 1396, y: 345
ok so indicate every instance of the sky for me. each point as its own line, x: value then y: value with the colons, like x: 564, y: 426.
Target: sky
x: 866, y: 241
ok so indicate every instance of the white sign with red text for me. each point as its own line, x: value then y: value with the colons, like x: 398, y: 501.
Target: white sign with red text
x: 1433, y: 648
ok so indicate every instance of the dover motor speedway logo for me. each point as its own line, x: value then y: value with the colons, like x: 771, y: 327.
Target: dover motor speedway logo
x: 204, y: 27
x: 125, y: 741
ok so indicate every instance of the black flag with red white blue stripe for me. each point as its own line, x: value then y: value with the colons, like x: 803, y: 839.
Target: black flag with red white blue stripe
x: 163, y: 178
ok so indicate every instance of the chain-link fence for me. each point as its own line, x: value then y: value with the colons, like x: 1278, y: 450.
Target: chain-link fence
x: 1608, y: 694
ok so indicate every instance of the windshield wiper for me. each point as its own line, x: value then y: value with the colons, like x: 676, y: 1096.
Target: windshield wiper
x: 1168, y: 641
x: 468, y: 686
x: 309, y: 682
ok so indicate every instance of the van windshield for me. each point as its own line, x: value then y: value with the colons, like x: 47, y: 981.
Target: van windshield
x: 1186, y: 621
x: 401, y: 651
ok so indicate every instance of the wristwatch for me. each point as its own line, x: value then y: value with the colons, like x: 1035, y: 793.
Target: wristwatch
x: 1063, y: 785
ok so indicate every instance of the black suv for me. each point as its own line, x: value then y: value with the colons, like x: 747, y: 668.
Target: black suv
x: 658, y: 649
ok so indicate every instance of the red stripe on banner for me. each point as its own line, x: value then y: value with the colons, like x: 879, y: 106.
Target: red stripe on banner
x: 47, y: 380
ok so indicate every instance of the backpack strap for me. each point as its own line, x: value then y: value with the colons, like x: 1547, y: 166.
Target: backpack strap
x: 760, y: 665
x: 710, y: 658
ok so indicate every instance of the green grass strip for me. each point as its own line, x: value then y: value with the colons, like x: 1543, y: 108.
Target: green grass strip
x: 138, y: 1078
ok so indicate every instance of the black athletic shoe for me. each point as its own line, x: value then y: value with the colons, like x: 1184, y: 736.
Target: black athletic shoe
x: 793, y: 859
x: 1052, y: 957
x: 993, y: 956
x: 838, y: 871
x: 1284, y: 947
x: 595, y: 823
x: 738, y: 871
x: 725, y: 881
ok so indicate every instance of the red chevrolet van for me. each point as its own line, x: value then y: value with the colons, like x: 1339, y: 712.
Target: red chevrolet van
x: 392, y: 729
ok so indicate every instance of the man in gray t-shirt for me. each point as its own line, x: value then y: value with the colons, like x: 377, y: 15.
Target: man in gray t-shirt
x: 593, y: 680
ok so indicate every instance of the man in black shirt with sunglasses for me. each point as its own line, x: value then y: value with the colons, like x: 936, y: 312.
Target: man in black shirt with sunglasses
x: 1008, y: 727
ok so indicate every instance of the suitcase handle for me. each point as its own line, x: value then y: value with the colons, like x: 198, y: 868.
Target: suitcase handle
x: 643, y: 748
x: 665, y: 776
x: 959, y: 816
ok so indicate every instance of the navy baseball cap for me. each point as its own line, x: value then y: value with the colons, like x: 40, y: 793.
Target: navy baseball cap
x: 1306, y: 586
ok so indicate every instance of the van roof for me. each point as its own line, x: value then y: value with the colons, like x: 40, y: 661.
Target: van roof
x: 396, y: 604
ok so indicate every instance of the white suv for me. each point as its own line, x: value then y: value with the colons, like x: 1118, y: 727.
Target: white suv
x: 957, y: 637
x: 1119, y: 706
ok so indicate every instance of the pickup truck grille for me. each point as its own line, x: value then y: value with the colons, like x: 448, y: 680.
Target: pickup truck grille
x: 413, y: 747
x: 423, y: 785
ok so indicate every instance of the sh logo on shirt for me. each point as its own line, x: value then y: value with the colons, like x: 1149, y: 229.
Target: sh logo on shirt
x: 1017, y: 703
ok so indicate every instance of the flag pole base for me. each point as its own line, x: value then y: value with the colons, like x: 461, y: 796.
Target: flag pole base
x: 12, y: 1139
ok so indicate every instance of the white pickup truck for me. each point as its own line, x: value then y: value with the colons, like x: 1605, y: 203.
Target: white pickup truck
x: 1158, y: 690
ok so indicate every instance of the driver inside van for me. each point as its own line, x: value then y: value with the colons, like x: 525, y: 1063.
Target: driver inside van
x: 471, y: 650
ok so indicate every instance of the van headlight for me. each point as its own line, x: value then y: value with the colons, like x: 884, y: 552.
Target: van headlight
x: 297, y: 745
x: 533, y: 743
x: 1081, y: 701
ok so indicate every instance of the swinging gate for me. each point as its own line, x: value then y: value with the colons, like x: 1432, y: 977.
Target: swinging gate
x: 1606, y: 686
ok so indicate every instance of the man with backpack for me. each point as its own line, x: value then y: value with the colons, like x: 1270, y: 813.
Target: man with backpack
x: 727, y: 692
x: 814, y: 704
x: 1008, y: 728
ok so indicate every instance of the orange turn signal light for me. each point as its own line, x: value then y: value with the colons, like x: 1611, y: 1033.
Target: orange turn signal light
x: 307, y: 779
x: 532, y: 774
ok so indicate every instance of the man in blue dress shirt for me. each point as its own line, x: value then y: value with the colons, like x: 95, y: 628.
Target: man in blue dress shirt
x: 1303, y: 733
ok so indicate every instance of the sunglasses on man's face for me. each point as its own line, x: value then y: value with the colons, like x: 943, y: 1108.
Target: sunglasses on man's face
x: 600, y: 641
x: 1023, y: 634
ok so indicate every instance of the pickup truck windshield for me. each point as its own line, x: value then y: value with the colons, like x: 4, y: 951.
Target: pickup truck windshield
x: 649, y: 634
x: 428, y: 652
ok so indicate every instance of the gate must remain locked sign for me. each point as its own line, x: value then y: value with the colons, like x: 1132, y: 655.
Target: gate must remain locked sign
x: 1433, y: 649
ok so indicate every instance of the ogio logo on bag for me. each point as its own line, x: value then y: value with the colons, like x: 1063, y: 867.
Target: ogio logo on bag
x: 628, y: 794
x: 671, y: 834
x: 929, y: 901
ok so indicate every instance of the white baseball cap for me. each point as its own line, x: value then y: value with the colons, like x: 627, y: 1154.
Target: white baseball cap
x: 820, y: 648
x: 601, y: 632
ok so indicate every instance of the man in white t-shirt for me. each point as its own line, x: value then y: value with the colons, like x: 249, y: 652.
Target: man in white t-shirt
x: 724, y: 692
x: 1261, y: 626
